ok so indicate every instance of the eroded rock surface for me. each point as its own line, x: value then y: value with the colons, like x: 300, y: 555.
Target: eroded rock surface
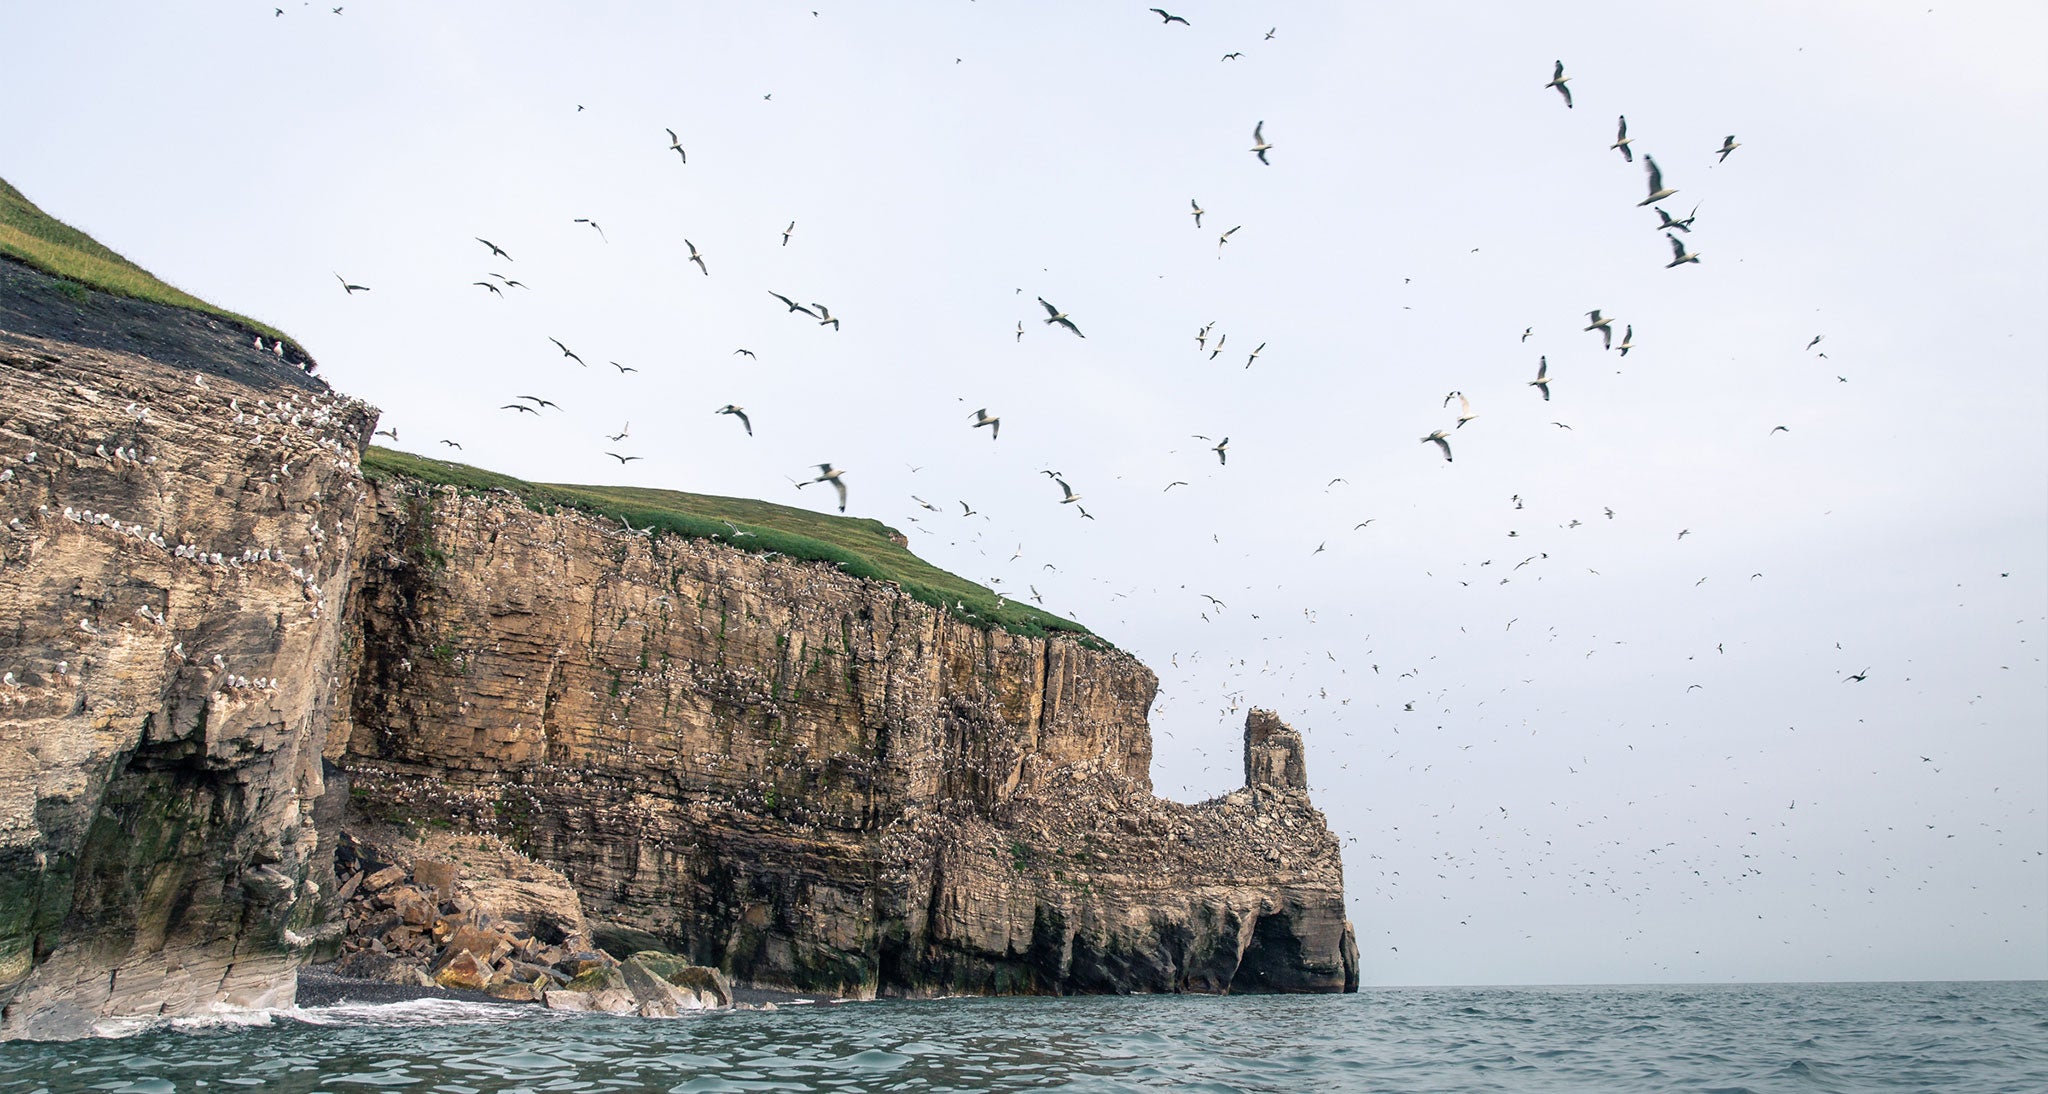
x: 812, y: 781
x: 174, y: 553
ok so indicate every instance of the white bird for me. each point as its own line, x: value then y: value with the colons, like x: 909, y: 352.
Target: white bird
x: 1071, y: 497
x: 1196, y: 206
x: 995, y: 425
x: 1557, y: 80
x: 697, y: 258
x: 1668, y: 223
x: 1222, y: 451
x: 1542, y: 380
x: 1443, y: 442
x: 1622, y: 140
x: 1464, y: 407
x: 1259, y: 145
x: 825, y: 317
x: 675, y: 144
x: 1729, y: 144
x: 1679, y: 255
x: 787, y: 232
x: 739, y: 412
x: 826, y: 473
x: 1658, y: 191
x: 1604, y: 326
x: 1628, y: 337
x: 1060, y: 317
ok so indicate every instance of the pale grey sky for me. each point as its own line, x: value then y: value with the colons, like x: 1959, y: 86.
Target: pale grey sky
x: 1561, y: 804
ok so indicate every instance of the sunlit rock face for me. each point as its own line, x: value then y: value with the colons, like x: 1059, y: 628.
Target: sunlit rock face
x: 813, y: 781
x: 219, y: 642
x: 174, y: 554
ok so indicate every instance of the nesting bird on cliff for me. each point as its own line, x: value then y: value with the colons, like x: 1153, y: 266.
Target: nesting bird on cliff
x: 826, y: 473
x: 739, y: 412
x: 995, y: 425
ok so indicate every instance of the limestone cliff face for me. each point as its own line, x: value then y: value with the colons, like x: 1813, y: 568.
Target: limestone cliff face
x: 217, y: 640
x: 810, y: 780
x: 174, y: 547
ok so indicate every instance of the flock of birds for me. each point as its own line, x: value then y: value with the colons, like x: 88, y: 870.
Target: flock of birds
x: 1616, y: 334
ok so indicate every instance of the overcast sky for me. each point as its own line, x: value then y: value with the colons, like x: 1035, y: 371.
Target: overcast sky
x: 1638, y: 757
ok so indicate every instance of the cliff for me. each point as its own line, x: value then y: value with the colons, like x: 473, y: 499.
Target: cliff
x: 811, y: 780
x: 223, y: 645
x: 175, y: 537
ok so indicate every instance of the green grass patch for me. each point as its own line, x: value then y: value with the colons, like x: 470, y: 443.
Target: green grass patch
x: 56, y: 248
x: 863, y: 548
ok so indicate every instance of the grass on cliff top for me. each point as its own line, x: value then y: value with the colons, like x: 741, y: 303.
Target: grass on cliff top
x: 54, y: 247
x: 859, y: 547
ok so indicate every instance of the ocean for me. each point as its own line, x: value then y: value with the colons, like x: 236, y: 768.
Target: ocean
x: 1955, y: 1038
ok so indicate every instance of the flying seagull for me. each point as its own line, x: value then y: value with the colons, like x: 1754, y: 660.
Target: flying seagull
x: 1165, y: 18
x: 566, y: 352
x: 793, y: 305
x: 1604, y: 326
x: 1464, y: 407
x: 1259, y: 145
x: 621, y: 434
x: 1669, y: 224
x: 747, y: 352
x: 509, y: 283
x: 624, y: 459
x: 519, y: 406
x: 1816, y: 341
x: 1057, y: 316
x: 1232, y: 56
x: 1526, y: 332
x: 739, y: 412
x: 1729, y: 144
x: 1679, y: 255
x: 1225, y: 238
x: 1071, y: 497
x: 352, y: 289
x: 1628, y: 336
x: 1858, y: 677
x: 967, y: 510
x: 1658, y: 191
x: 1020, y: 330
x: 1255, y: 355
x: 452, y: 445
x: 1443, y: 442
x: 1542, y: 380
x: 538, y: 401
x: 825, y: 316
x: 697, y: 258
x: 1222, y: 451
x: 827, y: 474
x: 594, y: 225
x: 995, y: 425
x: 1197, y: 207
x: 623, y: 369
x: 1622, y: 141
x: 494, y: 289
x: 786, y: 232
x: 675, y: 144
x: 1557, y: 80
x: 496, y: 251
x: 391, y: 433
x: 925, y: 504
